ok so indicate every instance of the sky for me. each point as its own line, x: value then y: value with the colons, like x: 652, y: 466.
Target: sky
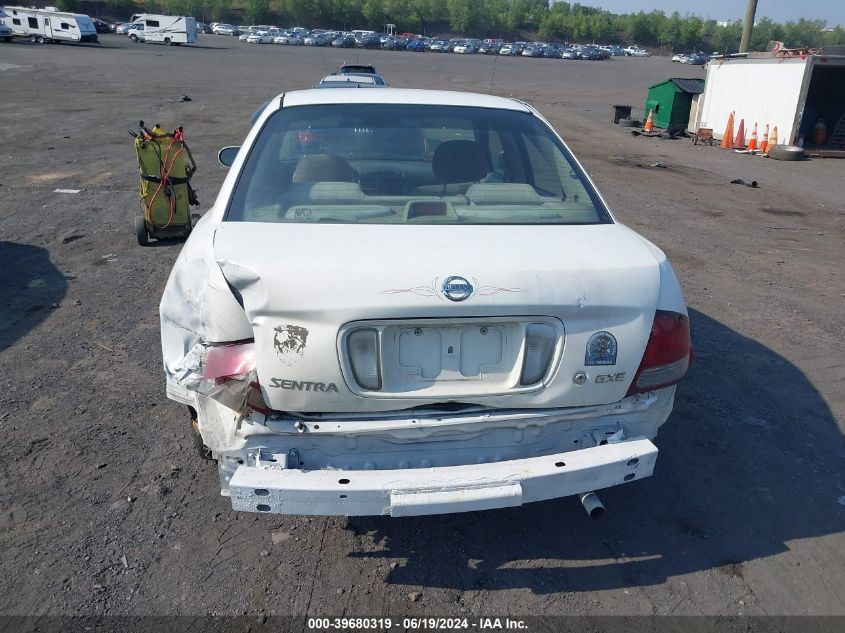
x: 832, y: 11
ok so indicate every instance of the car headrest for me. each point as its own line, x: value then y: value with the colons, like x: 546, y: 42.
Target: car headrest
x: 460, y: 161
x: 323, y: 168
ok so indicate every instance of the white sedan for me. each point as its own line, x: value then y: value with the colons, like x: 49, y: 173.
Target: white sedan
x: 260, y: 37
x: 409, y: 302
x: 289, y: 39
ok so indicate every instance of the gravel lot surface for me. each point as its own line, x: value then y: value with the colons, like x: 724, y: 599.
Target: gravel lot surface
x: 106, y: 509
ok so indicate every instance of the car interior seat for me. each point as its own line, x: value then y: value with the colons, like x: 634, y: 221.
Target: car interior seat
x: 460, y: 162
x: 324, y: 168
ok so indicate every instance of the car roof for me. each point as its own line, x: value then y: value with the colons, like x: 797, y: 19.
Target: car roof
x: 374, y: 76
x: 356, y: 68
x: 346, y: 84
x: 406, y: 96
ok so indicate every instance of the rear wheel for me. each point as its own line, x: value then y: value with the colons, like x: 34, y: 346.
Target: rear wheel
x: 202, y: 449
x: 168, y: 41
x: 39, y: 39
x: 141, y: 231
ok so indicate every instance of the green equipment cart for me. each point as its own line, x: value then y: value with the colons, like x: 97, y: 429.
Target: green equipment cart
x: 166, y: 193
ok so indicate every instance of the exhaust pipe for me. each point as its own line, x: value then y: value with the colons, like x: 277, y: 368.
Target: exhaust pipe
x: 593, y: 505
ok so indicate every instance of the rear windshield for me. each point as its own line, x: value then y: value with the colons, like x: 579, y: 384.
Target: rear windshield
x: 396, y: 163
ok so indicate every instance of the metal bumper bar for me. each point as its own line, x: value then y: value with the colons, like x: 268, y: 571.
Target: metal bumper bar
x: 440, y: 490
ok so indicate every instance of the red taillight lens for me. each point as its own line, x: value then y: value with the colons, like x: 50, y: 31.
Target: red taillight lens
x: 233, y: 359
x: 667, y: 355
x: 232, y: 365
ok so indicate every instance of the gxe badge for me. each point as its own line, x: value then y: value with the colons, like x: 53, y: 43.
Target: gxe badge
x: 456, y: 289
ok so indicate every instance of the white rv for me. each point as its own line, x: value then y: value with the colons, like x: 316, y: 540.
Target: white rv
x: 43, y: 26
x: 167, y: 29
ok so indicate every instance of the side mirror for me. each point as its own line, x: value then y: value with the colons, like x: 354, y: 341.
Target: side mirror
x: 227, y: 155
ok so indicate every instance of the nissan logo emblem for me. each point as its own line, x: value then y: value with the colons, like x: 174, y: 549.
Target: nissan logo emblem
x: 456, y: 289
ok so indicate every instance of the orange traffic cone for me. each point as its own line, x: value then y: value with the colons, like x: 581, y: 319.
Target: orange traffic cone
x: 764, y: 146
x: 772, y: 141
x: 739, y: 142
x: 649, y: 122
x: 752, y: 144
x: 727, y: 139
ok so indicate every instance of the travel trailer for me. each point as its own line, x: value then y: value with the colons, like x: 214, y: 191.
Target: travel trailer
x: 166, y: 29
x: 50, y: 25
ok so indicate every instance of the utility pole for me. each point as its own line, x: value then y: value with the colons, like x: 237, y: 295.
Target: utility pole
x: 747, y: 26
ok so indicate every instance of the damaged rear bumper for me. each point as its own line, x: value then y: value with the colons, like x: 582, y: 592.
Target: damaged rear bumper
x: 271, y: 488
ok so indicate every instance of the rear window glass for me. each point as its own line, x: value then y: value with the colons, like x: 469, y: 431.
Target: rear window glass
x: 390, y: 163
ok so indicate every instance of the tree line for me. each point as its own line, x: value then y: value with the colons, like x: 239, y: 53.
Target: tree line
x: 563, y: 21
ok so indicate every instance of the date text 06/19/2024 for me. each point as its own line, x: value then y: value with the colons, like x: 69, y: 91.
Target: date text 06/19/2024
x: 415, y: 623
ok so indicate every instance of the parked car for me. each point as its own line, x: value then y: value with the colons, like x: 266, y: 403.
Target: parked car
x: 204, y: 28
x: 465, y: 48
x: 678, y: 57
x: 570, y: 53
x: 439, y: 46
x: 512, y: 50
x: 344, y: 41
x: 697, y: 59
x: 136, y: 32
x: 490, y: 47
x: 260, y: 37
x: 101, y: 26
x: 318, y: 39
x: 617, y: 51
x: 552, y: 51
x: 400, y: 380
x: 289, y: 38
x: 225, y: 29
x: 395, y: 43
x: 594, y: 53
x: 121, y: 28
x: 375, y: 77
x: 368, y: 41
x: 635, y: 51
x: 418, y: 45
x: 337, y: 81
x: 354, y: 69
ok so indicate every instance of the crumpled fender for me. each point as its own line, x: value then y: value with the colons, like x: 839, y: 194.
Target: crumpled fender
x: 198, y: 306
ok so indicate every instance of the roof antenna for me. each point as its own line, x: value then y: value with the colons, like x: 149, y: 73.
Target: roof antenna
x: 492, y: 76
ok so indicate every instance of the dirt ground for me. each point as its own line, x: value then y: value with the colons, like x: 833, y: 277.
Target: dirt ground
x: 106, y: 509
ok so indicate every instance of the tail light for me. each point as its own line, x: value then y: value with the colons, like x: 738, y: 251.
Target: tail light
x: 667, y: 355
x: 233, y: 363
x: 230, y: 359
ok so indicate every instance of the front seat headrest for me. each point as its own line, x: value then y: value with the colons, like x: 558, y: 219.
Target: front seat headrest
x: 324, y: 168
x: 460, y: 161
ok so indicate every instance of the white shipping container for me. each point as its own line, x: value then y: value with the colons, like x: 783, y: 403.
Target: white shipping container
x: 792, y: 93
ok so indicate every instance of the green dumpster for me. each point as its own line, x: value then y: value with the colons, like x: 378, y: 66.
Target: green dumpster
x: 671, y: 100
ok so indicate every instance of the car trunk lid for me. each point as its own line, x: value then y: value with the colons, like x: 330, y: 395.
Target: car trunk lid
x: 304, y: 287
